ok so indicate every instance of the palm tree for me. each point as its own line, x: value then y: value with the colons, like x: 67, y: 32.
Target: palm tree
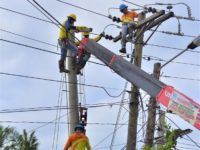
x: 10, y: 139
x: 26, y: 142
x: 5, y: 135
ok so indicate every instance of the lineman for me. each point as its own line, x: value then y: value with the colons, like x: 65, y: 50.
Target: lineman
x: 78, y: 140
x: 83, y: 54
x: 65, y: 42
x: 127, y: 17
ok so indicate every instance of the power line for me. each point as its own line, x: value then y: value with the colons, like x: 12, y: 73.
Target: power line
x: 23, y: 14
x: 169, y: 47
x: 58, y: 81
x: 148, y: 58
x: 176, y: 34
x: 26, y: 37
x: 83, y: 9
x: 182, y: 78
x: 44, y: 122
x: 59, y: 107
x: 36, y: 48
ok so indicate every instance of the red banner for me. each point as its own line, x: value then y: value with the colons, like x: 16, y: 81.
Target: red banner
x: 180, y: 104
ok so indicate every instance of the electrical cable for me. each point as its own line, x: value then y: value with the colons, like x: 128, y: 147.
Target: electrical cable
x: 23, y: 14
x: 83, y: 8
x: 42, y: 13
x: 149, y: 58
x: 36, y: 48
x: 33, y: 17
x: 53, y: 80
x: 167, y: 76
x: 56, y: 125
x: 26, y: 37
x: 40, y: 49
x: 169, y: 47
x: 60, y: 107
x: 107, y: 136
x: 118, y: 116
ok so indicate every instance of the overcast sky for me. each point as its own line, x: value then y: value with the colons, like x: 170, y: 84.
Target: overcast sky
x: 18, y: 92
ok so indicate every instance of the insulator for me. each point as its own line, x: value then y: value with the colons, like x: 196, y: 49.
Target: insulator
x: 148, y: 58
x: 169, y: 7
x: 118, y: 20
x: 106, y: 36
x: 110, y: 37
x: 154, y: 10
x: 150, y: 9
x: 114, y: 19
x: 109, y: 16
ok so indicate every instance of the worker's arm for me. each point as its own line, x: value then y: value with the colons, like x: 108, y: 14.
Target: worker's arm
x: 68, y: 144
x: 83, y: 29
x: 88, y: 145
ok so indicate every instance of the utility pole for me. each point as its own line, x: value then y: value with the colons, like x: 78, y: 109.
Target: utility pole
x: 73, y: 94
x: 151, y: 121
x: 161, y: 130
x: 134, y: 97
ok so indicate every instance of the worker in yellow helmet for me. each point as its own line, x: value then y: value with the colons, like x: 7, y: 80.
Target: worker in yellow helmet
x: 127, y: 17
x: 65, y: 41
x: 78, y: 140
x: 83, y: 54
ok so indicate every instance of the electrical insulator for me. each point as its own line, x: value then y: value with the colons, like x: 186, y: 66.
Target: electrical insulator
x: 109, y: 37
x: 169, y: 7
x: 154, y: 10
x: 150, y: 9
x: 116, y: 19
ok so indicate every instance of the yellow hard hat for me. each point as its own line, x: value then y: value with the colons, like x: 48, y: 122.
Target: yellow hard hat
x: 85, y: 33
x: 73, y: 16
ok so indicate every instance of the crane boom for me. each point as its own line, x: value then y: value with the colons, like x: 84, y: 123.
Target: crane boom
x: 174, y: 100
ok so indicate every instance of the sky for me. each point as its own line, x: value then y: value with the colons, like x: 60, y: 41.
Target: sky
x: 17, y: 92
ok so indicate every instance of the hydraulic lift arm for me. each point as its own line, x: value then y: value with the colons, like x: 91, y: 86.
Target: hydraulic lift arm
x: 174, y: 100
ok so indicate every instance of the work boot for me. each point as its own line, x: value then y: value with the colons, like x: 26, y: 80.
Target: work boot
x: 62, y: 66
x: 123, y: 50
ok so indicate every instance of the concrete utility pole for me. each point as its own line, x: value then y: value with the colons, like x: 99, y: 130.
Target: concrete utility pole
x: 134, y: 97
x: 161, y: 130
x: 149, y: 137
x: 73, y: 94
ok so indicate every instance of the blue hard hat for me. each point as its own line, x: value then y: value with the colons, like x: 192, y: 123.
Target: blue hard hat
x: 122, y: 7
x: 79, y: 126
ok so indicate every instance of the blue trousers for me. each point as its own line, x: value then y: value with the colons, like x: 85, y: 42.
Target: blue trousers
x: 64, y: 46
x: 124, y: 33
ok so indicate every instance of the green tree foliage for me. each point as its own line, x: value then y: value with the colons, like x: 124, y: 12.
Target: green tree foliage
x: 10, y: 139
x: 5, y: 135
x: 171, y: 136
x: 26, y: 142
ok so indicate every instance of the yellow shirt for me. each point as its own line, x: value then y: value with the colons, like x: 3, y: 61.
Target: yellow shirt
x: 62, y: 33
x: 129, y: 17
x: 77, y: 142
